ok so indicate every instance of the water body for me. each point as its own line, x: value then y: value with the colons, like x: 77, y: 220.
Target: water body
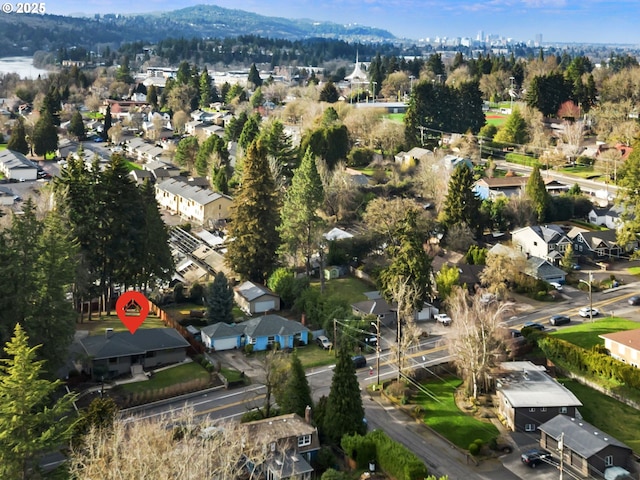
x: 23, y: 66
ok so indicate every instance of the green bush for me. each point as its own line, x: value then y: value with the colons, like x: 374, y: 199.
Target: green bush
x: 395, y: 459
x: 474, y: 449
x: 479, y: 442
x: 523, y: 160
x: 248, y: 349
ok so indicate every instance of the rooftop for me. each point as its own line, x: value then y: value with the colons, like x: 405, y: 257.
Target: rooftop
x: 629, y: 338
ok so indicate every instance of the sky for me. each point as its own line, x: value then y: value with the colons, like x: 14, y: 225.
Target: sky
x: 582, y: 21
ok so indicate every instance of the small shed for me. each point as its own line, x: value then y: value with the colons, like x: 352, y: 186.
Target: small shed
x: 254, y: 298
x: 331, y: 272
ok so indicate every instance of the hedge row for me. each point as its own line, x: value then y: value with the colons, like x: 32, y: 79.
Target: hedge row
x: 523, y: 160
x: 594, y: 361
x: 392, y: 457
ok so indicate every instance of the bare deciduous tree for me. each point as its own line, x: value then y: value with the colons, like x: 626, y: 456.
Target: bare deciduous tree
x: 475, y: 340
x: 501, y: 269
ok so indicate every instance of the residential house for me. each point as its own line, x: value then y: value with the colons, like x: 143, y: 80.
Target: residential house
x: 586, y: 450
x: 194, y: 127
x: 193, y: 203
x: 413, y: 156
x: 528, y: 397
x: 493, y: 188
x: 386, y: 313
x: 16, y: 166
x: 293, y: 445
x: 213, y: 130
x: 548, y: 242
x: 597, y: 245
x: 356, y: 177
x: 253, y: 298
x: 261, y: 332
x: 337, y: 234
x: 543, y: 270
x: 451, y: 162
x: 7, y: 196
x: 116, y: 353
x: 162, y: 170
x: 607, y: 216
x: 140, y: 176
x: 624, y: 346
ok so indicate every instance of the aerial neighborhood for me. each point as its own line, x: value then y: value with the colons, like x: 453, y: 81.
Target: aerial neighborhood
x: 355, y: 258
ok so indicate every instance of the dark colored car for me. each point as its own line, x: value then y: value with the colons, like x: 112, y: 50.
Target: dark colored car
x: 535, y: 457
x: 635, y: 300
x: 359, y: 361
x: 559, y: 320
x: 532, y: 326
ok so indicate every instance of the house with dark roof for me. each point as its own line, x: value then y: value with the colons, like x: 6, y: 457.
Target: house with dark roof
x: 191, y: 202
x: 606, y: 216
x: 624, y: 346
x: 116, y: 353
x: 543, y: 270
x: 7, y: 197
x: 293, y: 445
x: 597, y: 245
x: 261, y: 332
x: 499, y: 187
x: 528, y: 397
x: 586, y: 450
x: 548, y: 242
x: 15, y: 165
x: 386, y: 313
x: 255, y: 298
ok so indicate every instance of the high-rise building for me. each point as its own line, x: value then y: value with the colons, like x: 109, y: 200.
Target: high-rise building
x: 538, y: 40
x: 480, y: 37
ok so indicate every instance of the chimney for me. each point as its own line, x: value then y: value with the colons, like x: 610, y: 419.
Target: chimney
x: 108, y: 332
x: 307, y: 414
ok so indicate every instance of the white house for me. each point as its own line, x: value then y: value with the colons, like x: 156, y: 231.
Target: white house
x: 14, y: 165
x: 191, y: 202
x: 548, y: 242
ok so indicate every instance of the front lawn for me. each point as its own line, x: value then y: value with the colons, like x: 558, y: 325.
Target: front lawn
x: 3, y: 146
x: 586, y: 334
x: 634, y: 270
x: 396, y: 117
x: 611, y: 416
x: 97, y: 325
x: 443, y: 415
x: 582, y: 171
x: 168, y: 378
x: 132, y: 166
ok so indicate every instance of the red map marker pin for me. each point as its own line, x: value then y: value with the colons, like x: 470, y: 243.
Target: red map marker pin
x: 132, y: 309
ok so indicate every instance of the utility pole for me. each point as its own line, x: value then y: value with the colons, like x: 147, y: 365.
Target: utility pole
x: 335, y: 337
x: 399, y: 359
x: 377, y: 325
x: 561, y: 450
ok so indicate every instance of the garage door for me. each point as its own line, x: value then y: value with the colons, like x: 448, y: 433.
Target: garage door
x: 265, y: 306
x: 225, y: 344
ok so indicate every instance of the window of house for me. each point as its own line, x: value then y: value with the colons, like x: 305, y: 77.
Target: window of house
x: 543, y: 409
x: 270, y: 340
x: 530, y: 427
x: 563, y: 409
x: 304, y: 440
x: 532, y: 409
x: 113, y: 360
x: 535, y: 244
x: 608, y: 461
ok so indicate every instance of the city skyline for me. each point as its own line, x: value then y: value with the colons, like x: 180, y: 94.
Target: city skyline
x: 579, y: 21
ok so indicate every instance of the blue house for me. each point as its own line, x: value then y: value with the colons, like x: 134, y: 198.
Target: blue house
x: 261, y: 332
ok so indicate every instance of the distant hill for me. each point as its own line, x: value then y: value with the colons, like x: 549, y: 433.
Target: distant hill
x: 26, y: 33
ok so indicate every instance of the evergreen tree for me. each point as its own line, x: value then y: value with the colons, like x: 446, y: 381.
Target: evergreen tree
x: 254, y: 219
x: 344, y: 411
x: 568, y: 260
x: 220, y: 181
x: 157, y: 261
x: 186, y: 152
x: 18, y: 140
x: 205, y: 89
x: 280, y: 147
x: 234, y: 128
x: 32, y: 420
x: 537, y: 193
x: 299, y: 214
x: 514, y: 130
x: 76, y: 126
x: 219, y: 298
x: 254, y: 76
x: 462, y: 204
x: 107, y: 124
x: 45, y: 135
x: 297, y: 393
x: 250, y: 131
x: 152, y: 96
x: 52, y: 103
x: 257, y: 99
x: 329, y: 93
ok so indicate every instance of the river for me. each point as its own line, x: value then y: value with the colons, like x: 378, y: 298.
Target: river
x: 23, y: 66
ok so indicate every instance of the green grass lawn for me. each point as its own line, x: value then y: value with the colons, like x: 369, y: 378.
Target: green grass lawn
x: 3, y: 146
x: 349, y: 289
x: 496, y: 119
x: 97, y: 325
x: 586, y: 334
x: 95, y: 115
x: 168, y: 377
x: 396, y: 117
x: 634, y: 270
x: 585, y: 171
x: 443, y: 415
x: 310, y: 355
x: 133, y: 166
x: 611, y: 416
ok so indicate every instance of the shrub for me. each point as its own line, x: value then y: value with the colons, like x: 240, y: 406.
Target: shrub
x: 360, y: 157
x: 248, y: 349
x: 474, y: 449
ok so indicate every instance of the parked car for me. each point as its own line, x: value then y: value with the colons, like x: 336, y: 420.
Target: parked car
x: 359, y: 361
x: 587, y: 312
x: 556, y: 285
x: 324, y: 342
x: 443, y: 318
x: 559, y: 320
x: 535, y: 457
x: 532, y: 326
x: 635, y: 300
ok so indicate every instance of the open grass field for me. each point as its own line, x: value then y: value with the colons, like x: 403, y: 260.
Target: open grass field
x: 634, y: 270
x: 349, y: 289
x: 607, y: 414
x: 133, y: 166
x: 3, y: 146
x: 396, y: 117
x: 586, y: 334
x: 496, y: 119
x: 168, y: 377
x: 443, y: 415
x: 584, y: 171
x: 98, y: 324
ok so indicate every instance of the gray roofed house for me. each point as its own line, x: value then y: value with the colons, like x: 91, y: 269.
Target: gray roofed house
x: 255, y: 298
x: 141, y: 175
x: 529, y: 397
x: 7, y: 196
x: 376, y: 306
x: 15, y: 165
x: 541, y: 269
x: 222, y: 336
x: 115, y: 353
x: 599, y: 244
x: 192, y: 202
x: 586, y: 449
x: 544, y: 241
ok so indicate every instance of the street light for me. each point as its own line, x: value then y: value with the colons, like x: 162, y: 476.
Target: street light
x: 511, y: 91
x: 590, y: 295
x: 377, y: 325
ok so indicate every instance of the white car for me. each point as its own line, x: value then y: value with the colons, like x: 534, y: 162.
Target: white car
x: 443, y: 318
x: 556, y: 285
x: 587, y: 312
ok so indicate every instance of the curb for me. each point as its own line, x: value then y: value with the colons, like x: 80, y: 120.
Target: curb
x: 159, y: 403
